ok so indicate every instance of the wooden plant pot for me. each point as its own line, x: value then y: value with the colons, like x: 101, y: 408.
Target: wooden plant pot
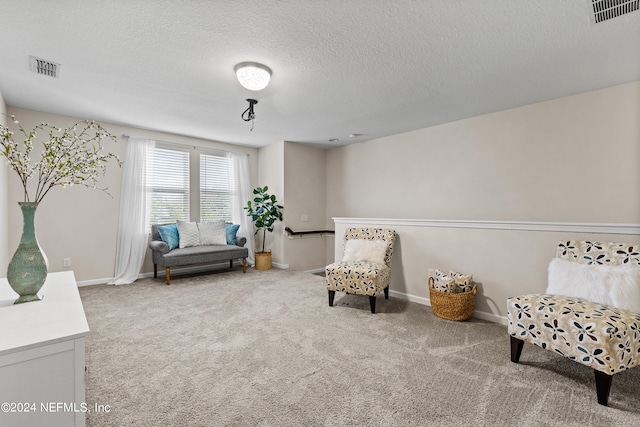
x: 263, y: 260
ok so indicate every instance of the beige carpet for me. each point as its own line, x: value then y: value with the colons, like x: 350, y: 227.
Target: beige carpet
x: 265, y: 349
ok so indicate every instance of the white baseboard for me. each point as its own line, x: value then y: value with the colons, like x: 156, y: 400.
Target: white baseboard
x: 489, y: 317
x: 95, y: 282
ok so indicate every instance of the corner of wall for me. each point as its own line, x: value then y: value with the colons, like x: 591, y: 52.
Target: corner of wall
x: 271, y: 173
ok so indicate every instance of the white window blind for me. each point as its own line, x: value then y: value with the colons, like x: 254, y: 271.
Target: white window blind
x: 215, y: 186
x: 170, y: 182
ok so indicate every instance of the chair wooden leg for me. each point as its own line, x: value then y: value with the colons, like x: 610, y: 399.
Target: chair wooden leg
x: 230, y: 263
x: 167, y: 273
x: 155, y: 271
x: 244, y: 265
x: 603, y: 386
x: 516, y: 349
x: 386, y: 292
x: 332, y: 295
x: 372, y: 303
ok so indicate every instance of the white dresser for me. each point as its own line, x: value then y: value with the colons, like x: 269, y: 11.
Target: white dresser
x: 42, y: 356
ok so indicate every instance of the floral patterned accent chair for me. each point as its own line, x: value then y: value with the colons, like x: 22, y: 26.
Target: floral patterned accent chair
x: 366, y: 266
x: 590, y: 312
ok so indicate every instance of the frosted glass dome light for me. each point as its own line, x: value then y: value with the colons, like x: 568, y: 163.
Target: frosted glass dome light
x: 252, y: 75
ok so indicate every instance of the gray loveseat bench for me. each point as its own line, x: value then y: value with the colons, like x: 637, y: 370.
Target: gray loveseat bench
x: 204, y: 254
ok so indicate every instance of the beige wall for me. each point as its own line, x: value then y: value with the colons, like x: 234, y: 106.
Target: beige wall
x: 304, y: 183
x: 569, y: 160
x: 80, y: 223
x: 4, y: 201
x: 295, y: 173
x: 271, y: 174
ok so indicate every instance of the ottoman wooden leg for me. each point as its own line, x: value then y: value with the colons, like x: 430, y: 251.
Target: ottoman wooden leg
x: 332, y: 295
x: 603, y: 386
x: 516, y: 349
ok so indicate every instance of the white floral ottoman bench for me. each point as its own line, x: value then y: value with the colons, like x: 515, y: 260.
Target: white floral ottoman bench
x: 590, y: 312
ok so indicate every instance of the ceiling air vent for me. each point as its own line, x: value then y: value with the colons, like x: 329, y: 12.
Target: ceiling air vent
x: 604, y: 10
x: 44, y: 67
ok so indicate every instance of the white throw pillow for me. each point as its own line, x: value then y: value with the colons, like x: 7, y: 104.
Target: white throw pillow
x: 618, y: 286
x: 365, y: 250
x: 188, y: 234
x: 213, y: 233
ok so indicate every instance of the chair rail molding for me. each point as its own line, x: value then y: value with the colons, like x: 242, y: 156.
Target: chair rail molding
x: 562, y: 227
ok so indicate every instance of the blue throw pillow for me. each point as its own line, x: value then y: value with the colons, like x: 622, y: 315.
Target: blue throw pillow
x: 232, y: 229
x: 169, y: 235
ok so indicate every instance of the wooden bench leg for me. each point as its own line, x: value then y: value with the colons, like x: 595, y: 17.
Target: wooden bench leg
x: 244, y: 265
x: 167, y: 273
x: 603, y: 386
x: 516, y: 349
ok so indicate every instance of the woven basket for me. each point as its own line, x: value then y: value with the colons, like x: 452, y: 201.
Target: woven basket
x: 452, y: 306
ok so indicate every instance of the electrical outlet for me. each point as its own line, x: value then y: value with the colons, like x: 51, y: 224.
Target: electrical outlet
x: 304, y: 218
x: 66, y: 262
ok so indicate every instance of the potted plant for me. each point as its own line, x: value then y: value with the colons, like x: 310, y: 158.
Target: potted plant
x: 264, y: 212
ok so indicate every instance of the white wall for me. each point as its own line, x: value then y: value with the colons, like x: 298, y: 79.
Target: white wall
x: 295, y: 173
x: 80, y: 223
x: 271, y: 174
x: 570, y: 160
x: 304, y: 183
x: 4, y: 199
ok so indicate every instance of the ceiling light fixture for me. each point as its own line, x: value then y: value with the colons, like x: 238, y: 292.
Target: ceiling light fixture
x: 252, y: 75
x: 249, y: 114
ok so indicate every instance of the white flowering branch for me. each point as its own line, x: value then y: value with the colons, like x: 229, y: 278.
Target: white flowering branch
x: 69, y: 156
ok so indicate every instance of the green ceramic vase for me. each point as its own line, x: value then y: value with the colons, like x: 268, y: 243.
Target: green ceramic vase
x: 28, y: 268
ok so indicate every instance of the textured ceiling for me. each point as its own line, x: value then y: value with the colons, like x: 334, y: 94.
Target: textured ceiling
x: 340, y: 67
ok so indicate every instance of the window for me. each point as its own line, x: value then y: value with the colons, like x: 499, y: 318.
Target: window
x: 172, y: 172
x: 170, y: 183
x: 215, y: 185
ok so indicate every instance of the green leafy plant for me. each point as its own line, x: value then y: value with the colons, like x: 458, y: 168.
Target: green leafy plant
x: 264, y: 211
x: 71, y: 156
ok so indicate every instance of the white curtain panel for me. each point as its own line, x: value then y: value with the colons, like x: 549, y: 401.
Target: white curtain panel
x: 241, y: 194
x: 135, y: 204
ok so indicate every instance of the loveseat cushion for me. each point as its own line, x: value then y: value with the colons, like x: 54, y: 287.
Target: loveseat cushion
x: 212, y: 233
x: 169, y: 235
x: 189, y: 234
x: 203, y: 254
x: 232, y: 231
